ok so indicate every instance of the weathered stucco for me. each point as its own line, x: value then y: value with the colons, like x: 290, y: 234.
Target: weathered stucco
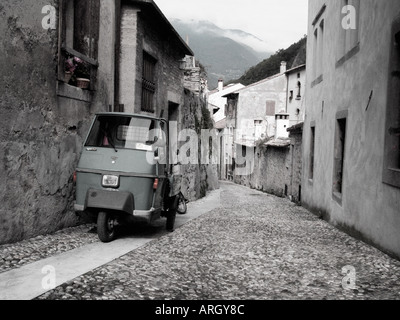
x: 43, y: 121
x: 35, y: 188
x: 368, y: 208
x: 296, y: 103
x: 253, y: 104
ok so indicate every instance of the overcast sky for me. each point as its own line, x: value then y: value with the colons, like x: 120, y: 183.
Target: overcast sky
x: 279, y: 23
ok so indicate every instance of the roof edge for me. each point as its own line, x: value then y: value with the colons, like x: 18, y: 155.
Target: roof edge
x: 188, y: 50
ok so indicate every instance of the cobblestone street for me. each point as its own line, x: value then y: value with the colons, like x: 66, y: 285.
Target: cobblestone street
x: 255, y: 246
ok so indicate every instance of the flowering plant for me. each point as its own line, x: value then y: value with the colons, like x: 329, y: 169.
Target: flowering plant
x: 72, y: 63
x: 77, y: 66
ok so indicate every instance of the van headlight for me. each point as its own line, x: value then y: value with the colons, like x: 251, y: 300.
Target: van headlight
x: 110, y: 181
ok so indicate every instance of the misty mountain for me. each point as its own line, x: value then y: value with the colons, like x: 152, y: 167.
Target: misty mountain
x: 225, y: 53
x: 294, y: 56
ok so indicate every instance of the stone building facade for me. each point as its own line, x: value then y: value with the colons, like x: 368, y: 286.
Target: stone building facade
x: 265, y: 119
x: 225, y: 123
x: 351, y: 171
x: 257, y: 107
x: 149, y: 42
x: 43, y: 120
x: 133, y: 61
x: 277, y: 166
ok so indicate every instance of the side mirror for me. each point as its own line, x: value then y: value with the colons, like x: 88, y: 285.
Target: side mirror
x: 156, y: 155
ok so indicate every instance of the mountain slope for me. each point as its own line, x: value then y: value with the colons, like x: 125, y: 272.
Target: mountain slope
x: 226, y: 54
x: 295, y: 55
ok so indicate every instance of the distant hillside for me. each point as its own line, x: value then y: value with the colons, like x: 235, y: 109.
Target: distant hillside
x: 225, y: 54
x: 295, y: 55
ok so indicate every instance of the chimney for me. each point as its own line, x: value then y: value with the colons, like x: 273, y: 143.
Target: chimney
x: 282, y: 124
x: 283, y: 66
x: 220, y: 85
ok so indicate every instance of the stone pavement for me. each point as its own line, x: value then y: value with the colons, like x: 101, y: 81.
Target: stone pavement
x: 253, y: 246
x: 29, y: 265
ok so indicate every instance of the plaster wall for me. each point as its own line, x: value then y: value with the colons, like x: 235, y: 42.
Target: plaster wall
x: 217, y: 99
x: 41, y: 130
x: 296, y: 106
x: 252, y: 105
x: 368, y: 208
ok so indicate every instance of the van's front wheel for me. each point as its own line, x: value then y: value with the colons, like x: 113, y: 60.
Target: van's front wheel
x: 106, y: 223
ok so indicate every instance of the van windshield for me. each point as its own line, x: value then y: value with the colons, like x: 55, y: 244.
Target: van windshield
x: 120, y: 132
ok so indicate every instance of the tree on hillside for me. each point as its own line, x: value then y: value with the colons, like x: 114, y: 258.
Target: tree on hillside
x: 295, y: 55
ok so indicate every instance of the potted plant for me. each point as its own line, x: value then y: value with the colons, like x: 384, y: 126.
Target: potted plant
x: 77, y: 70
x: 70, y: 66
x: 82, y: 73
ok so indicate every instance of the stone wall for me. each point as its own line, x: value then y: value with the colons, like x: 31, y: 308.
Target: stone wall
x: 271, y: 170
x: 296, y: 160
x: 142, y: 32
x: 277, y: 167
x: 34, y: 188
x: 198, y: 178
x: 41, y: 130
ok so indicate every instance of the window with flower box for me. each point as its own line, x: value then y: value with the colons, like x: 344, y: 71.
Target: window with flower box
x: 78, y: 42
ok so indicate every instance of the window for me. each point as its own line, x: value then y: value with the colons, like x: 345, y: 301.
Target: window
x: 315, y: 54
x: 391, y: 173
x: 318, y: 53
x: 258, y: 129
x: 339, y: 154
x: 298, y: 90
x: 78, y: 43
x: 123, y: 133
x: 148, y: 83
x: 321, y: 48
x: 270, y: 108
x: 312, y: 152
x: 318, y: 47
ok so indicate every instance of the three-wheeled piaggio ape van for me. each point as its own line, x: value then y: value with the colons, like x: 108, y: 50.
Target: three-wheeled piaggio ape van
x: 124, y: 174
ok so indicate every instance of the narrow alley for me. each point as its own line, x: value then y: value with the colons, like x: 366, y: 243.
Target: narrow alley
x: 252, y: 246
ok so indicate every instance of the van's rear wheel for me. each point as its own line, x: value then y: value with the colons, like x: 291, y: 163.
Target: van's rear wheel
x: 106, y: 223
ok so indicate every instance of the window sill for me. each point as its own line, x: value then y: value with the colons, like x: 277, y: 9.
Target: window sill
x: 351, y: 53
x: 391, y: 177
x: 336, y: 196
x: 317, y: 81
x: 71, y: 92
